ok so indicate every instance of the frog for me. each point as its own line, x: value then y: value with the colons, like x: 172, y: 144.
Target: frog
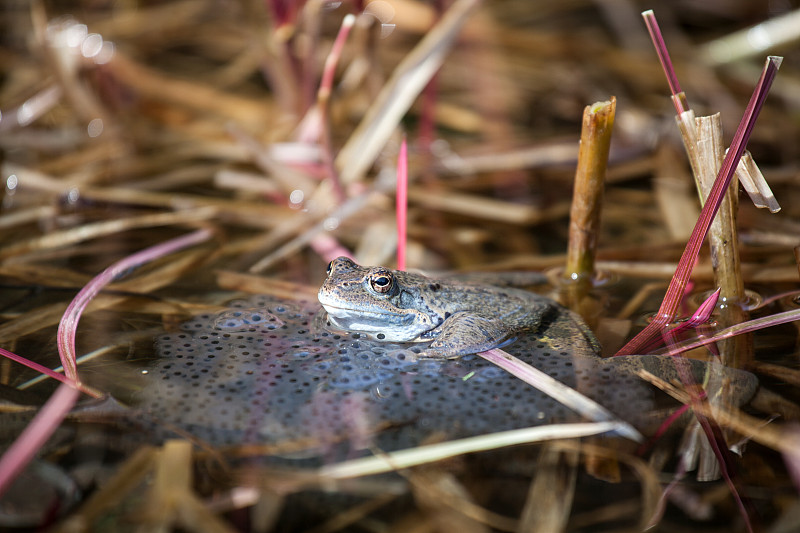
x: 455, y: 317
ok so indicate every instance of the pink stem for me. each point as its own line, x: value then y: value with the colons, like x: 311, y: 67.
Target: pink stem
x: 678, y: 98
x: 402, y: 204
x: 34, y: 365
x: 36, y: 434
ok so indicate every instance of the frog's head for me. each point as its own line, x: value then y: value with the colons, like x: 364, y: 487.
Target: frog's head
x: 383, y: 303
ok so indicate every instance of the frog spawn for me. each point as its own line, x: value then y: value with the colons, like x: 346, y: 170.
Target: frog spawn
x: 261, y: 373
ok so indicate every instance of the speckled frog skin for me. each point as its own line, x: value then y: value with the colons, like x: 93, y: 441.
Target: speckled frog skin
x: 457, y: 318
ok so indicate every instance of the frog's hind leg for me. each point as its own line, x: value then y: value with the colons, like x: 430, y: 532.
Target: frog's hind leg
x: 466, y: 333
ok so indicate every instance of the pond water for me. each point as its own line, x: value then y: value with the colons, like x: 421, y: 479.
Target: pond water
x: 266, y: 371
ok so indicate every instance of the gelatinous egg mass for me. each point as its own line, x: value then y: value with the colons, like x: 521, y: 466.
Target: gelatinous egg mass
x: 266, y: 372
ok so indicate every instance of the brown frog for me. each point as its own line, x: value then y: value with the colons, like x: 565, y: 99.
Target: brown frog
x: 456, y: 317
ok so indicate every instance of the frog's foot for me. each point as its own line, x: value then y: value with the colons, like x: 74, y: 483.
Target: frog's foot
x: 466, y: 333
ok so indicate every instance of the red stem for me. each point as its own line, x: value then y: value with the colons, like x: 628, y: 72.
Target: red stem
x: 402, y: 204
x: 48, y: 372
x: 678, y: 98
x: 33, y: 437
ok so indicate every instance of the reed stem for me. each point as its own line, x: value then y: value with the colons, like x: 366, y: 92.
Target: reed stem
x: 587, y: 200
x: 723, y: 239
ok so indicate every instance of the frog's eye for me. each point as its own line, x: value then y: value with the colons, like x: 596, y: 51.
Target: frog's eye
x: 381, y: 283
x: 330, y: 267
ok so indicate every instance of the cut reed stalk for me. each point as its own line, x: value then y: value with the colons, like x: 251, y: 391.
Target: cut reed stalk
x: 702, y: 138
x: 587, y: 200
x: 723, y: 240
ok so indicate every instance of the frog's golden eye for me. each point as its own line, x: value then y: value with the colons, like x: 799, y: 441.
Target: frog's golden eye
x: 381, y: 283
x: 330, y: 267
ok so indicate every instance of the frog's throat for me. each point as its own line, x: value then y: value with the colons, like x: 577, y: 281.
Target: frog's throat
x: 382, y: 325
